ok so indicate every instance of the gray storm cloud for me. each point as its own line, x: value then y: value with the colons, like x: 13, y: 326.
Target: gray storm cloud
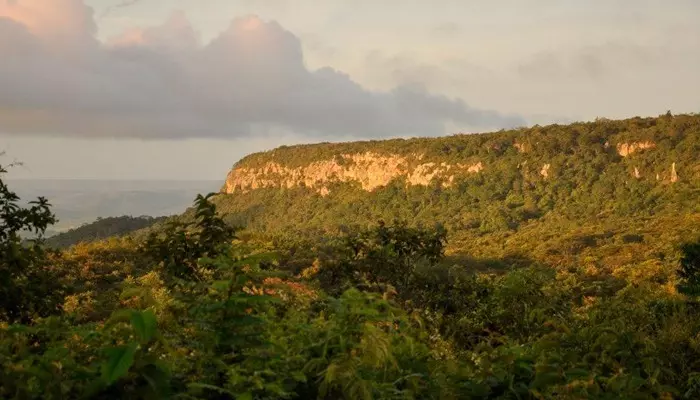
x: 56, y: 78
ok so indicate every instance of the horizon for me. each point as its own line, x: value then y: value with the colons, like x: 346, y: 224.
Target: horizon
x: 10, y: 178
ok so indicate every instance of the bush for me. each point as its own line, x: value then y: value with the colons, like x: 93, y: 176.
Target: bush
x: 689, y: 270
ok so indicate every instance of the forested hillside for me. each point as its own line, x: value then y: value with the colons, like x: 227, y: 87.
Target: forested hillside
x: 488, y: 182
x: 547, y: 263
x: 102, y: 228
x: 607, y: 193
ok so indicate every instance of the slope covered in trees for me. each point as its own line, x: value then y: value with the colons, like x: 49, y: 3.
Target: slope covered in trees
x: 641, y: 167
x: 102, y: 228
x: 610, y: 194
x: 195, y: 312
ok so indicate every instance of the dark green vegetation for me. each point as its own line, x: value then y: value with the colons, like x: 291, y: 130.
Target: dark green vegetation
x: 27, y: 284
x: 102, y: 228
x: 583, y: 299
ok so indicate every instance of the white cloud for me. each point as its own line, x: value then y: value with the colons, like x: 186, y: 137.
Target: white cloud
x: 162, y: 82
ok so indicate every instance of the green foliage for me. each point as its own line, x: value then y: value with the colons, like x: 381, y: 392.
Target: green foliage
x: 120, y: 360
x: 690, y: 267
x: 245, y: 329
x: 27, y: 285
x: 366, y: 348
x: 134, y: 368
x: 180, y: 245
x: 386, y: 255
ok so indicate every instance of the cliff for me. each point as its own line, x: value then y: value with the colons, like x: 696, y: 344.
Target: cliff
x: 595, y: 195
x: 369, y: 170
x: 659, y: 149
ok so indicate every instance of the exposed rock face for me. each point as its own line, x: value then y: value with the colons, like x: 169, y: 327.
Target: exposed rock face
x: 478, y: 167
x: 424, y: 173
x: 674, y: 175
x: 522, y: 147
x: 625, y: 149
x: 545, y: 170
x: 370, y: 170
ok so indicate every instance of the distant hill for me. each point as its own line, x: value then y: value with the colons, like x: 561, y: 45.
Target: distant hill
x: 102, y: 228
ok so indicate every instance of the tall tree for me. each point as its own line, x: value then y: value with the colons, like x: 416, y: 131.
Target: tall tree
x: 28, y: 288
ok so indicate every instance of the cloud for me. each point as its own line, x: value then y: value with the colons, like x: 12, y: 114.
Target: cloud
x: 162, y: 82
x: 602, y: 62
x: 614, y: 79
x: 175, y: 33
x: 121, y: 4
x: 439, y: 74
x: 446, y: 29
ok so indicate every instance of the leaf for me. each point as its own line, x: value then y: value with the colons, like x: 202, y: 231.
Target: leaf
x: 18, y: 329
x: 578, y: 373
x: 221, y: 286
x: 245, y: 396
x: 545, y: 379
x: 157, y: 378
x: 119, y: 316
x: 120, y: 360
x: 258, y: 258
x: 132, y: 292
x: 145, y: 324
x: 210, y: 387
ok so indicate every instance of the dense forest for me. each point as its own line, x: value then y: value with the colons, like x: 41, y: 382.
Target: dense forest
x: 102, y: 228
x: 580, y: 283
x: 601, y: 205
x: 586, y: 171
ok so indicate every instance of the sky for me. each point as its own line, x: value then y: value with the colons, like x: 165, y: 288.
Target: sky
x: 181, y: 89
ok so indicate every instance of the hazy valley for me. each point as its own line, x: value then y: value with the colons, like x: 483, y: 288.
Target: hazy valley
x: 77, y: 202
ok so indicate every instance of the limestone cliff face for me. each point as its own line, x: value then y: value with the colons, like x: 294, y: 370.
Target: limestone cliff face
x: 625, y: 149
x: 539, y: 155
x: 372, y: 170
x: 369, y: 170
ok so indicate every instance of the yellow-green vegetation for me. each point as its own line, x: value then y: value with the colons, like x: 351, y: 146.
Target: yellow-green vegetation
x: 609, y: 199
x: 580, y: 286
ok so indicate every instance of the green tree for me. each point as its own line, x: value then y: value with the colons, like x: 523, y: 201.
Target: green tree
x: 181, y: 244
x: 385, y: 255
x: 28, y: 288
x: 690, y: 268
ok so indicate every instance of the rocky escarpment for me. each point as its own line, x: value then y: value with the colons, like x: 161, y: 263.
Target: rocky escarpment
x: 369, y: 170
x: 372, y: 170
x: 625, y: 149
x: 555, y: 177
x: 653, y: 150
